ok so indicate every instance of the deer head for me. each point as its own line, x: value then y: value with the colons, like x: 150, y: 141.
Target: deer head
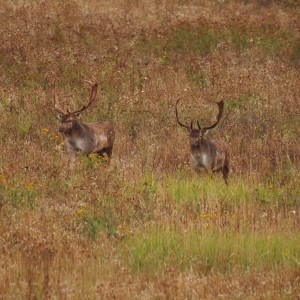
x: 196, y: 134
x: 68, y: 119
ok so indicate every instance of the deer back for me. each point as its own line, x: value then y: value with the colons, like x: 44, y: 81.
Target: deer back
x: 104, y: 135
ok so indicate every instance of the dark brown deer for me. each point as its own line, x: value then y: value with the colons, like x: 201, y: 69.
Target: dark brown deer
x: 208, y: 155
x: 89, y: 138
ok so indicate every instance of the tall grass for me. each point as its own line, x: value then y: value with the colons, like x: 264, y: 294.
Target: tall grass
x: 156, y: 249
x: 145, y: 225
x: 208, y: 189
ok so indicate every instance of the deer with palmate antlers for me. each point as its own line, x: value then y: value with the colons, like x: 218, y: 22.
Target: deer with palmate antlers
x: 89, y: 138
x: 208, y: 155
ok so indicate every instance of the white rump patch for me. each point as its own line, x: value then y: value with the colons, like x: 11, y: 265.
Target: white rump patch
x: 102, y: 141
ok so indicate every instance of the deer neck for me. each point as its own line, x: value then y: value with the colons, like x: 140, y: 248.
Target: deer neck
x: 204, y: 146
x: 201, y: 145
x: 203, y: 154
x: 81, y: 138
x: 80, y: 131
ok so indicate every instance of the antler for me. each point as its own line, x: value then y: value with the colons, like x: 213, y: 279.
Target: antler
x: 57, y: 108
x: 221, y: 108
x: 181, y: 124
x: 92, y: 98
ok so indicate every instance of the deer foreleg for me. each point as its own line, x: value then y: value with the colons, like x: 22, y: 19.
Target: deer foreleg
x: 72, y: 153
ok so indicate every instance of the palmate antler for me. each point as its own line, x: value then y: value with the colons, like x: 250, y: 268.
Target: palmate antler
x: 56, y: 102
x: 91, y: 100
x: 221, y: 109
x: 177, y: 118
x: 76, y: 112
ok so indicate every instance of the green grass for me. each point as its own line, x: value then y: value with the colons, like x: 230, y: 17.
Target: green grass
x: 189, y: 39
x: 158, y: 248
x: 198, y: 78
x: 212, y: 189
x: 205, y: 40
x: 18, y: 196
x: 94, y: 224
x: 295, y: 54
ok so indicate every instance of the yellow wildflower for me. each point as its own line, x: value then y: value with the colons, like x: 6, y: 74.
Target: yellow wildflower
x: 80, y: 211
x: 203, y: 215
x: 29, y: 185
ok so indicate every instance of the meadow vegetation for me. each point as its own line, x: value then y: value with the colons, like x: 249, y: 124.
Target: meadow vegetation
x: 145, y: 226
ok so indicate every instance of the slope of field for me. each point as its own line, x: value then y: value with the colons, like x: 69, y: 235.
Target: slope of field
x: 146, y: 226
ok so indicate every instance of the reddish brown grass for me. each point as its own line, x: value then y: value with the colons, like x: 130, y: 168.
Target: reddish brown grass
x: 67, y: 234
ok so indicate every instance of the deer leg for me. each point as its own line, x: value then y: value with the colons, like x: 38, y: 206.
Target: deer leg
x: 210, y: 172
x: 101, y: 152
x: 72, y: 154
x: 107, y: 151
x: 225, y: 172
x: 216, y: 170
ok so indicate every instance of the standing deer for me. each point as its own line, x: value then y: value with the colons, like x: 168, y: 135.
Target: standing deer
x: 205, y: 154
x: 89, y: 138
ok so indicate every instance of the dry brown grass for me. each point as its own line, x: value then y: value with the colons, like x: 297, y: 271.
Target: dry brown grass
x: 113, y: 231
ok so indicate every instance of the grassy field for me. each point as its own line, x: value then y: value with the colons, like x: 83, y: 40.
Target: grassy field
x: 146, y: 226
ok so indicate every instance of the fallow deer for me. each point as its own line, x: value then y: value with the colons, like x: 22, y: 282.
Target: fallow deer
x: 89, y: 138
x: 206, y: 154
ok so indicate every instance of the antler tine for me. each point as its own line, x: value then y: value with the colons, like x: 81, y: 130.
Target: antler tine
x: 91, y: 100
x: 91, y: 82
x: 176, y: 112
x: 192, y: 124
x: 221, y: 108
x: 57, y: 108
